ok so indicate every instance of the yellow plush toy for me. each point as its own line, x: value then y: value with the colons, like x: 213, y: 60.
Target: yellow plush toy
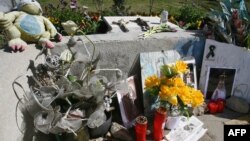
x: 28, y: 25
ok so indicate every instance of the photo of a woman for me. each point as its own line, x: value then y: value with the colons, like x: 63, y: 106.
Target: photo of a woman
x: 219, y: 83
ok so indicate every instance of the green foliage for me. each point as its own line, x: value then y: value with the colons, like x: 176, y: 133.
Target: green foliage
x: 140, y: 6
x: 99, y: 5
x: 168, y: 71
x: 119, y: 8
x: 119, y: 3
x: 187, y: 17
x: 67, y: 14
x: 151, y: 4
x: 190, y: 13
x: 231, y: 23
x: 247, y: 41
x: 154, y: 91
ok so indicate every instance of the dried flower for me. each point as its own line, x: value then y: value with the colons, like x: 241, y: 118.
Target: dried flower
x: 156, y: 29
x: 65, y: 92
x: 70, y: 27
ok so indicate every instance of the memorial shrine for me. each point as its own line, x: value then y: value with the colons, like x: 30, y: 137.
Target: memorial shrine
x: 97, y: 77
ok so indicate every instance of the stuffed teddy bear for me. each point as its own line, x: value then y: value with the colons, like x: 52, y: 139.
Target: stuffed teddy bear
x: 28, y: 25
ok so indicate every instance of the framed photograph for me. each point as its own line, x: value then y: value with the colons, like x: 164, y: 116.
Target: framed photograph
x: 129, y: 101
x: 219, y: 82
x: 190, y: 78
x: 223, y: 55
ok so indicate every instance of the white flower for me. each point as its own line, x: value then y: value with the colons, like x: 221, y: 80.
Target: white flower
x: 70, y: 27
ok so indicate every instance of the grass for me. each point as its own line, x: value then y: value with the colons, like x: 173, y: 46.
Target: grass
x: 143, y: 5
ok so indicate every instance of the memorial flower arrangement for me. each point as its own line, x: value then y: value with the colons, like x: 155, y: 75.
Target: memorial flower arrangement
x: 89, y: 23
x: 171, y: 90
x: 68, y: 93
x: 157, y: 29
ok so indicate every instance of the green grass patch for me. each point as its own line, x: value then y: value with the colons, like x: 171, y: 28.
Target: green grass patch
x: 143, y: 6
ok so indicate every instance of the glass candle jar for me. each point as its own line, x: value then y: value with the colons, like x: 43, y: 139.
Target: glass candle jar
x: 141, y: 128
x: 159, y: 122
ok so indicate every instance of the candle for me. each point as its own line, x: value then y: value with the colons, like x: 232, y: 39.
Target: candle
x: 141, y: 128
x: 159, y: 121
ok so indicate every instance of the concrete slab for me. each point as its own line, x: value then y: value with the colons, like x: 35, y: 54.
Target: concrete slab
x: 132, y: 26
x: 215, y: 123
x: 11, y: 66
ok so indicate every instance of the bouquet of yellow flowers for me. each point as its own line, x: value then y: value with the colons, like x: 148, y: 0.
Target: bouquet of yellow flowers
x: 171, y: 90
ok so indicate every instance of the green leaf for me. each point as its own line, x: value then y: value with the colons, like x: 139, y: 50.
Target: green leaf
x: 168, y: 71
x: 72, y: 78
x: 153, y: 91
x: 226, y: 9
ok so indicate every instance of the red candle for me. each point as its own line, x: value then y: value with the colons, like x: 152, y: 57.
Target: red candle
x: 159, y: 120
x: 141, y: 128
x: 212, y: 107
x: 221, y: 105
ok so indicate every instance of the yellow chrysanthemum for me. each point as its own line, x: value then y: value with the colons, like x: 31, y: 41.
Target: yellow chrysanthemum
x: 165, y: 91
x: 178, y: 82
x: 185, y: 95
x: 152, y: 81
x: 169, y: 94
x: 181, y: 67
x: 165, y: 81
x: 172, y: 89
x: 197, y: 98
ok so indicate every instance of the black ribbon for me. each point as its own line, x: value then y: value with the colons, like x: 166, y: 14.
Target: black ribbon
x: 211, y: 51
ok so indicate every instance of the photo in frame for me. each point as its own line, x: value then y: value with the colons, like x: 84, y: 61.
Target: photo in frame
x: 223, y: 55
x: 190, y: 78
x: 129, y: 103
x: 219, y: 82
x: 149, y: 63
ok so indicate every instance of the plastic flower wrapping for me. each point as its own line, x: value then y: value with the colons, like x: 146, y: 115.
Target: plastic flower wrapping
x: 171, y: 90
x: 67, y: 93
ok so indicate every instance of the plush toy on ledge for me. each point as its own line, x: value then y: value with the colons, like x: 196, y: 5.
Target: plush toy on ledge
x: 28, y: 25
